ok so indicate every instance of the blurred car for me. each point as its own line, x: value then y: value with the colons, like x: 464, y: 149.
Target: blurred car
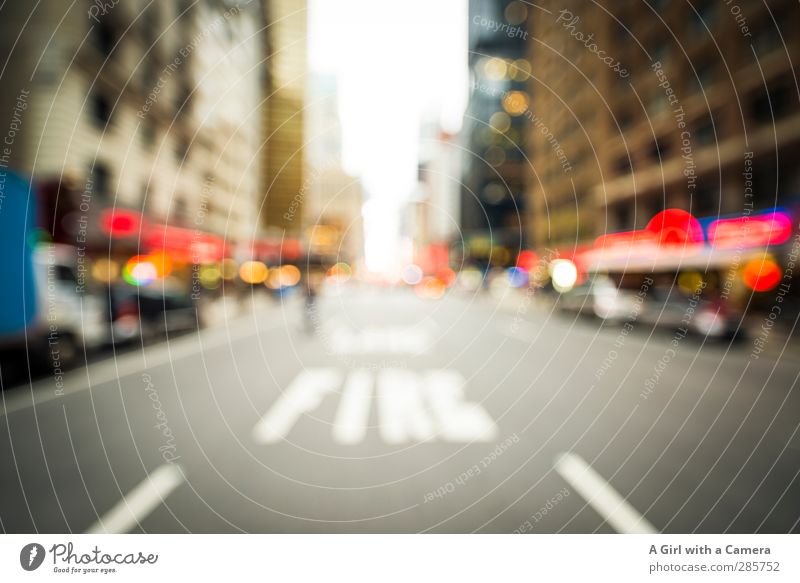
x: 148, y: 311
x: 670, y: 308
x: 60, y: 319
x: 600, y: 297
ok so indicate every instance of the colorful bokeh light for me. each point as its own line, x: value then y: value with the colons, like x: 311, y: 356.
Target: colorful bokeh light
x: 228, y: 269
x: 564, y: 274
x: 412, y: 274
x: 340, y: 273
x: 210, y: 276
x: 761, y: 274
x: 162, y: 262
x: 139, y: 270
x: 430, y: 287
x: 676, y: 226
x: 253, y: 272
x: 289, y: 275
x: 517, y: 276
x: 105, y: 270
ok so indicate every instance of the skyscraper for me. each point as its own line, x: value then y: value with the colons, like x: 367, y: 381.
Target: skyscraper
x: 492, y: 195
x: 644, y: 106
x: 283, y: 159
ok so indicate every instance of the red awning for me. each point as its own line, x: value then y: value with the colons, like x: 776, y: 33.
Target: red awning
x: 188, y: 245
x: 275, y: 249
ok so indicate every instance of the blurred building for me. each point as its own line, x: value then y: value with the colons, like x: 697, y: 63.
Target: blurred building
x: 639, y: 107
x: 283, y: 159
x: 332, y: 199
x: 493, y: 134
x: 129, y: 106
x: 334, y: 225
x: 433, y: 216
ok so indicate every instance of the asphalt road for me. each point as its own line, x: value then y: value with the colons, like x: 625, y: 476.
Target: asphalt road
x: 398, y: 414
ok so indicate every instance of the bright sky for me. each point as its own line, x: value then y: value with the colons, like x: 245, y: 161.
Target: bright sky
x: 396, y: 63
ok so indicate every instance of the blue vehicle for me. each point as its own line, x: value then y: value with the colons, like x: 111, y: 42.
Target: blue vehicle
x: 46, y: 315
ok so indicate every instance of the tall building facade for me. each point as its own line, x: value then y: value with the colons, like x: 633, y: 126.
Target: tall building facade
x: 128, y: 106
x: 494, y: 162
x: 283, y: 160
x: 433, y: 216
x: 332, y: 199
x: 643, y: 106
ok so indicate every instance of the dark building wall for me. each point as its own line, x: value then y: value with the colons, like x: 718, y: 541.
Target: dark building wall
x: 492, y: 197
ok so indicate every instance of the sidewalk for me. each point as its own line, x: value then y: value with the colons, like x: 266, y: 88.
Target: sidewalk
x: 229, y: 308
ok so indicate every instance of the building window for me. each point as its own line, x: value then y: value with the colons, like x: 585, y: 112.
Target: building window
x: 704, y: 132
x: 622, y: 216
x: 149, y: 76
x: 148, y: 133
x: 659, y: 149
x: 704, y: 16
x: 183, y: 100
x: 660, y: 51
x: 149, y: 26
x: 657, y: 104
x: 704, y: 202
x: 180, y: 211
x: 144, y: 197
x: 99, y: 181
x: 101, y: 110
x: 182, y: 150
x: 773, y: 103
x: 622, y: 32
x: 103, y: 37
x: 623, y: 165
x: 659, y: 6
x: 766, y: 38
x: 705, y: 76
x: 765, y: 183
x: 184, y: 11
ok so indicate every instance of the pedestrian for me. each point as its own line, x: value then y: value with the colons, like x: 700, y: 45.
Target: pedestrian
x: 310, y: 309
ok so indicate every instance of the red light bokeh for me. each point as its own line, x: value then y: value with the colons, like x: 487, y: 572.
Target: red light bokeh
x: 761, y: 274
x: 676, y: 227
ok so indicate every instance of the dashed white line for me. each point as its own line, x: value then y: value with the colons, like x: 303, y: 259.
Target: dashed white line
x: 606, y: 501
x: 139, y: 502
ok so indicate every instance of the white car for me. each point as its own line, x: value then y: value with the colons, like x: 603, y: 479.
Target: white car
x: 67, y: 319
x: 599, y: 297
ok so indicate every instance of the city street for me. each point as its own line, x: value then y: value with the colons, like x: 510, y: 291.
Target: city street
x: 401, y: 414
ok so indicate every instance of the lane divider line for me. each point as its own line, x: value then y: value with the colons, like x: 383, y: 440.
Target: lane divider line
x: 139, y: 502
x: 599, y: 494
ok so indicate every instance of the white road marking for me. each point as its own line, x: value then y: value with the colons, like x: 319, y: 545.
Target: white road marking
x: 139, y: 502
x: 353, y: 414
x: 380, y: 340
x: 601, y: 496
x: 516, y: 333
x: 458, y: 419
x: 303, y: 395
x: 403, y: 416
x: 412, y: 406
